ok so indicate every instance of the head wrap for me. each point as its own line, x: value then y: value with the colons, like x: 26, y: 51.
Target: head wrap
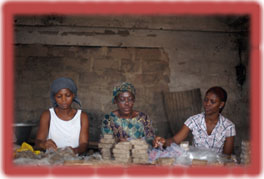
x: 123, y: 87
x: 61, y: 83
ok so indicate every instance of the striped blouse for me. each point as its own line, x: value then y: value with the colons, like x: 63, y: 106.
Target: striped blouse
x: 223, y: 129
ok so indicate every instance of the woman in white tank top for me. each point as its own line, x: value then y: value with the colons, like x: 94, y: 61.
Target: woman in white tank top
x: 63, y: 126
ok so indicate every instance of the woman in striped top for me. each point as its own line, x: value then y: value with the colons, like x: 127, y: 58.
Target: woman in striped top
x: 210, y: 129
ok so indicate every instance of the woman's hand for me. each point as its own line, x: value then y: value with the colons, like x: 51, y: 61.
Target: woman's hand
x: 49, y: 144
x: 158, y: 142
x: 75, y: 150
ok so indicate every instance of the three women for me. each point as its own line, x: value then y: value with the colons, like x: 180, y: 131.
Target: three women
x: 63, y: 125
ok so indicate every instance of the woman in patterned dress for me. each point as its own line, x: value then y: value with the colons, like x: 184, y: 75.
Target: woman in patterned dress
x: 126, y: 123
x: 210, y: 129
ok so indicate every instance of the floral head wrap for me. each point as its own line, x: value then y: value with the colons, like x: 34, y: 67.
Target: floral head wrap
x: 123, y: 87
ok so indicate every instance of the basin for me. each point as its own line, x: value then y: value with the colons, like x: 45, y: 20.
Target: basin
x: 22, y: 132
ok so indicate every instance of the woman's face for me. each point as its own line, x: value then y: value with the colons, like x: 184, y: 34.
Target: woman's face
x: 64, y: 98
x: 125, y: 102
x: 212, y: 104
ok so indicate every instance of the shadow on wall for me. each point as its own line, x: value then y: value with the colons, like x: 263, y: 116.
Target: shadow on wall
x: 95, y: 122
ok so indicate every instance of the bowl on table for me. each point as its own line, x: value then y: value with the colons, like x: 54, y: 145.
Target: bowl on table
x: 22, y: 132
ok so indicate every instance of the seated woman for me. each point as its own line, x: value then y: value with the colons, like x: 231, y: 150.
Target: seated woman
x: 210, y: 129
x: 63, y: 126
x: 125, y: 122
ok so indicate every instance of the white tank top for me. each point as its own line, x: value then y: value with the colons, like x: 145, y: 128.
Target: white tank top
x: 65, y: 133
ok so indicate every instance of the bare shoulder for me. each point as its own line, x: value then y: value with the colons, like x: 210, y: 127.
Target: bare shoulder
x: 84, y: 120
x: 84, y: 115
x: 45, y: 115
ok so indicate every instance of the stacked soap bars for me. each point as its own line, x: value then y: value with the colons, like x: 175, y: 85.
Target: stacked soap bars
x: 166, y: 161
x: 121, y: 152
x: 133, y: 151
x: 245, y: 152
x: 139, y: 151
x: 106, y: 145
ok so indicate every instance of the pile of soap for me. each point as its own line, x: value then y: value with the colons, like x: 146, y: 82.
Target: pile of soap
x: 106, y: 145
x: 245, y: 152
x: 121, y: 152
x: 139, y: 151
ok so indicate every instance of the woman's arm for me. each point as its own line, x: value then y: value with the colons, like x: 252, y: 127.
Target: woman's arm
x: 41, y: 141
x: 228, y: 145
x: 84, y: 134
x: 177, y: 138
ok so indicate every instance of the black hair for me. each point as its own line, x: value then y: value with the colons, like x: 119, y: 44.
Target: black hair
x: 220, y: 93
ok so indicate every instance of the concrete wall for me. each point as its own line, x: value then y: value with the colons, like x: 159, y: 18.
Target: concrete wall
x: 96, y: 71
x: 156, y: 53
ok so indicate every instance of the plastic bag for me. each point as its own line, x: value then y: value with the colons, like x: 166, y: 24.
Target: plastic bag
x: 185, y: 157
x: 173, y: 151
x: 197, y: 153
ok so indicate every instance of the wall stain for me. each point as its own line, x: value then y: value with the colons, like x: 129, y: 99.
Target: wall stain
x: 151, y: 35
x: 49, y: 32
x: 123, y: 32
x: 109, y: 32
x: 182, y: 63
x: 78, y: 33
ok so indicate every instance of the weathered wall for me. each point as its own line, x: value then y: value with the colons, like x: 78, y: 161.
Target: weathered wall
x: 96, y: 71
x: 156, y: 53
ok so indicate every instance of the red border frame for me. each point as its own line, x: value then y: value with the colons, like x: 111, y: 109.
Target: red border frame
x: 118, y: 8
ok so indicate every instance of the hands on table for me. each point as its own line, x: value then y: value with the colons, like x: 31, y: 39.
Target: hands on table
x: 159, y: 142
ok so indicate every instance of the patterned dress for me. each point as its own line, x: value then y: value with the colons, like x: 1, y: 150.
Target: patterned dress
x: 134, y: 128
